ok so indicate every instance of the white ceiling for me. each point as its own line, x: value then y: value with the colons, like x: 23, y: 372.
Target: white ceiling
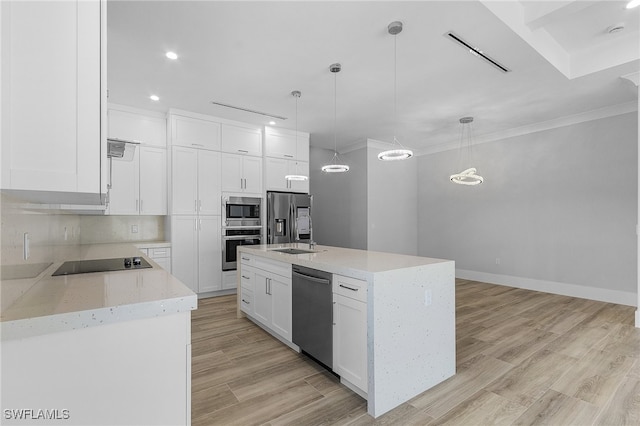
x: 253, y: 54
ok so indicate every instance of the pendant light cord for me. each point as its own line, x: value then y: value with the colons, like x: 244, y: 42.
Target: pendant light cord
x: 395, y: 88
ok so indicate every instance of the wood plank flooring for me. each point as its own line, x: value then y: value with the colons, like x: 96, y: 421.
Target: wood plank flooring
x: 523, y: 358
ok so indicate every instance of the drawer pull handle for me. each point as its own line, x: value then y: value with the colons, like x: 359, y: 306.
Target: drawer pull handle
x: 245, y: 258
x: 349, y: 288
x: 244, y: 301
x: 245, y: 277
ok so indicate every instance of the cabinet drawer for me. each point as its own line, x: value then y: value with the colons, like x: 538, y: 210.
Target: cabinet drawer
x: 350, y: 287
x: 275, y: 267
x: 246, y: 259
x: 159, y: 252
x: 247, y: 277
x: 246, y: 301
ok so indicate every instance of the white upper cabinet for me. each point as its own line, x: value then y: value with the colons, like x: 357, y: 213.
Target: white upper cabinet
x: 241, y: 140
x: 195, y: 132
x: 137, y: 126
x: 53, y: 96
x: 277, y: 168
x: 139, y: 186
x: 283, y: 143
x: 241, y: 173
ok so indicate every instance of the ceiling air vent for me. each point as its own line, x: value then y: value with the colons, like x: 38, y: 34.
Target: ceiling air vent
x: 475, y: 51
x: 252, y: 111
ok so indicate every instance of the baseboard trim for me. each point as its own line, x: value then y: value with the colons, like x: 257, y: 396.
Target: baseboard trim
x: 637, y: 318
x: 564, y: 289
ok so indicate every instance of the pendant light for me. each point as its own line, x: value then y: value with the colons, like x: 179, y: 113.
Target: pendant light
x: 334, y: 166
x: 468, y: 176
x: 399, y: 153
x: 296, y: 94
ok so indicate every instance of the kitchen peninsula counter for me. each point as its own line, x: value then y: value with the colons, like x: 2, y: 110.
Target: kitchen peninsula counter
x: 410, y: 303
x: 99, y: 348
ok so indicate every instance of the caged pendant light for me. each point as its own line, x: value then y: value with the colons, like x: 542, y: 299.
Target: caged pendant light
x: 334, y: 165
x: 468, y: 176
x: 296, y: 94
x: 399, y: 152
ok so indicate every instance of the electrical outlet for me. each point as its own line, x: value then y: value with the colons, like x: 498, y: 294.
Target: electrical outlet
x: 26, y: 243
x: 497, y: 260
x: 134, y: 229
x: 427, y: 297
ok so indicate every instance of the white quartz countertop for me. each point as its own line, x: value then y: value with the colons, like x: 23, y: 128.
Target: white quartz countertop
x: 52, y: 304
x: 350, y: 262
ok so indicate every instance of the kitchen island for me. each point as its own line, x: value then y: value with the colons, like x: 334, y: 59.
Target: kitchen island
x: 407, y: 306
x: 97, y: 348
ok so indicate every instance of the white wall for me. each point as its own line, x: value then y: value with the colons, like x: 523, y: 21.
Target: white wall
x: 558, y: 209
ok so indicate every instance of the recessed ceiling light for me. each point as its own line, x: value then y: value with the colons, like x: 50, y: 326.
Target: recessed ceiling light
x: 172, y: 55
x: 154, y: 98
x: 272, y: 123
x: 633, y: 3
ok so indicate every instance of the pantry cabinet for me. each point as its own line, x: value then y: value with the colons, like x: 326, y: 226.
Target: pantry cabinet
x: 195, y: 182
x: 197, y: 252
x: 139, y: 186
x: 54, y: 96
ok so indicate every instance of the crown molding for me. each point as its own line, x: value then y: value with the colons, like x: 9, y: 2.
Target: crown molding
x: 570, y: 120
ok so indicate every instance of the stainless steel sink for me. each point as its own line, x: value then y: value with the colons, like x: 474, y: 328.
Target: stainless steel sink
x: 294, y: 251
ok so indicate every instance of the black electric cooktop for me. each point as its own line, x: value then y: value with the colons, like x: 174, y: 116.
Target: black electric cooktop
x: 101, y: 265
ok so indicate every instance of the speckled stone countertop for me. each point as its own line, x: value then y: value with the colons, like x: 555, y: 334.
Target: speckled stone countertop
x: 53, y: 304
x: 361, y: 264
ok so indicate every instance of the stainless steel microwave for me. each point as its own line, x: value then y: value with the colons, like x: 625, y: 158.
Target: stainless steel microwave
x: 241, y: 211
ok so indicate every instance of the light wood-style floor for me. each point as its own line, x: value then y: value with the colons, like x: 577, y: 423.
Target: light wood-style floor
x: 523, y: 358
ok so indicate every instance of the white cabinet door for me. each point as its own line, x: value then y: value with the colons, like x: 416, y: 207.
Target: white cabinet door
x: 153, y: 181
x: 279, y: 144
x: 209, y: 195
x: 280, y: 289
x: 184, y: 247
x: 252, y: 171
x: 209, y: 254
x: 262, y: 303
x: 124, y: 192
x: 298, y: 168
x: 195, y: 133
x: 232, y: 178
x: 241, y: 140
x: 137, y: 127
x: 184, y: 180
x: 350, y: 340
x: 51, y: 116
x: 275, y: 171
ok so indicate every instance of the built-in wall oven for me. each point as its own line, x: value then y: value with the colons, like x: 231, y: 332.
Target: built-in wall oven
x: 241, y: 225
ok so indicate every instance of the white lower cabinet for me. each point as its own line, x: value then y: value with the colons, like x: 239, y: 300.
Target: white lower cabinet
x: 197, y: 252
x: 160, y: 255
x: 266, y: 294
x: 350, y: 330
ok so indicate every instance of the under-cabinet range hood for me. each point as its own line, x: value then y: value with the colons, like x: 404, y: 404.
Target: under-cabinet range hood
x: 122, y: 149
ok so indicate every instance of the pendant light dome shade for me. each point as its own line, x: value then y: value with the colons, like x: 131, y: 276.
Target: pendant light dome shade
x: 399, y: 152
x: 296, y: 94
x: 334, y: 166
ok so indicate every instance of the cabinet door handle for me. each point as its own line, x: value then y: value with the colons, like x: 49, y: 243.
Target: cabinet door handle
x: 349, y: 288
x: 137, y: 205
x: 245, y: 277
x: 197, y: 144
x: 245, y: 302
x: 333, y: 308
x: 200, y: 224
x: 245, y: 258
x: 288, y: 156
x: 195, y: 224
x: 243, y: 150
x: 141, y: 209
x: 199, y: 205
x: 195, y: 205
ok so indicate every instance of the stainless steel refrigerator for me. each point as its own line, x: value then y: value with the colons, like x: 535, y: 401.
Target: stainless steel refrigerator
x: 288, y: 217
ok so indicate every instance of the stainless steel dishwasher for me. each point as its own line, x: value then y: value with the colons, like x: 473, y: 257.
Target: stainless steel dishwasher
x: 312, y: 319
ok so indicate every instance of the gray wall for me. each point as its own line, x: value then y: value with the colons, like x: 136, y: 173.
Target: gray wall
x: 372, y: 207
x: 392, y: 195
x: 557, y: 205
x: 340, y: 200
